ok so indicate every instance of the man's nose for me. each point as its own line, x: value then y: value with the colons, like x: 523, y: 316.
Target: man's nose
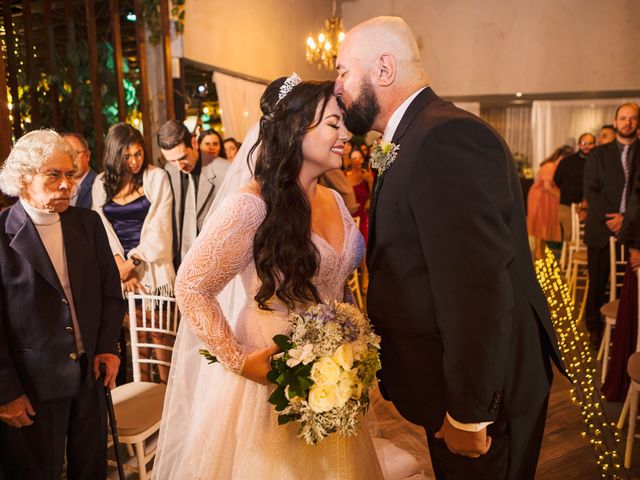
x: 337, y: 89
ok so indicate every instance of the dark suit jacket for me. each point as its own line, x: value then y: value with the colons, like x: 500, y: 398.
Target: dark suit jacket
x: 630, y: 231
x: 84, y: 193
x: 36, y: 331
x: 603, y: 185
x: 211, y: 178
x: 465, y: 327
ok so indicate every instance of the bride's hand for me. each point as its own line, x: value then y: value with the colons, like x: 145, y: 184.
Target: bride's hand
x: 258, y: 364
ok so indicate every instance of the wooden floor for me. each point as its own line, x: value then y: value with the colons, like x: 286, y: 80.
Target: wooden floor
x: 565, y: 454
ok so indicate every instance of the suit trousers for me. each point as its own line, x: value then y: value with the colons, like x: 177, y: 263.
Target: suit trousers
x: 598, y: 266
x: 514, y: 452
x: 38, y: 451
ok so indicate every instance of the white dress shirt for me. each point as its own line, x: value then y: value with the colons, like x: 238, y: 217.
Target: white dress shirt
x: 387, y: 136
x: 50, y: 230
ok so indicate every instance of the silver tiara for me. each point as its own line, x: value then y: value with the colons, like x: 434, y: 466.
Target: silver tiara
x: 288, y: 85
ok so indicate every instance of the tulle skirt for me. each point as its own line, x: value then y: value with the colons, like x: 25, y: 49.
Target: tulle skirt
x: 235, y: 435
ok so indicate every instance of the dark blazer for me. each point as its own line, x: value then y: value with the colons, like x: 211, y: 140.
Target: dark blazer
x: 630, y: 231
x: 464, y: 324
x: 36, y: 331
x: 211, y: 178
x: 84, y: 194
x: 603, y: 185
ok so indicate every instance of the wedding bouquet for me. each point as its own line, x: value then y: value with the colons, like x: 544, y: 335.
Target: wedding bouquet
x: 325, y: 370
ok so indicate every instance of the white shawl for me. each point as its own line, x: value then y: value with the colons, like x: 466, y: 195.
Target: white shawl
x: 156, y: 238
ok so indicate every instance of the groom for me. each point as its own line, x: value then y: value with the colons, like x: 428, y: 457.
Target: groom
x: 466, y: 333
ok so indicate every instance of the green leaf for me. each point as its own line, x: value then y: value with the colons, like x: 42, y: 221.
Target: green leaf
x: 208, y: 356
x: 272, y: 376
x: 283, y: 342
x: 284, y: 419
x: 278, y: 396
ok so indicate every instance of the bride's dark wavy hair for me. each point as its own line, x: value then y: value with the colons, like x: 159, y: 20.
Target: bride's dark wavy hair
x: 285, y: 257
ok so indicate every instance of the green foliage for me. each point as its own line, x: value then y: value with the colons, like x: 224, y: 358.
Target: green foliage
x: 206, y: 354
x: 153, y: 18
x: 290, y: 382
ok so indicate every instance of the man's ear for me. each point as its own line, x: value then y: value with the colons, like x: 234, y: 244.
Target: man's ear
x: 194, y: 143
x: 385, y: 70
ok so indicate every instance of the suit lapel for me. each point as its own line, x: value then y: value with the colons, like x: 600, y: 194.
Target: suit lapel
x: 27, y: 243
x: 74, y: 249
x: 174, y: 177
x: 421, y: 101
x: 206, y: 186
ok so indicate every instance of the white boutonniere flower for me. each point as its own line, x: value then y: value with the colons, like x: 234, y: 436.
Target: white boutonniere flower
x: 383, y: 154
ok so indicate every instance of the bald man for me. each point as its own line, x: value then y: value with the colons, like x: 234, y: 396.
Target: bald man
x: 466, y: 333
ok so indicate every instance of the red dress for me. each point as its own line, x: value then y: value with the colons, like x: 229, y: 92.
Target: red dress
x: 362, y: 197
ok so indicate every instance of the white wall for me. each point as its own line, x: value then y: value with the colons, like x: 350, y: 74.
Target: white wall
x: 261, y: 38
x: 472, y: 47
x: 469, y: 47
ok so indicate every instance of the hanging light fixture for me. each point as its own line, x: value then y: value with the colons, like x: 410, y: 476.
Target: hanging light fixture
x: 323, y: 49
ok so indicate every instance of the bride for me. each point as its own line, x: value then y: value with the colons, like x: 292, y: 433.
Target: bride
x: 278, y: 244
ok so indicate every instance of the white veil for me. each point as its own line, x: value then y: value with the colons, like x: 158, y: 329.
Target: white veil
x: 187, y: 383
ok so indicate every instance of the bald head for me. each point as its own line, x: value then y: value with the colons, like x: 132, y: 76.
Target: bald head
x: 378, y: 68
x: 378, y: 36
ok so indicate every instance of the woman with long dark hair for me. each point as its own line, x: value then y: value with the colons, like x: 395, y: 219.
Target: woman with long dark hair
x: 292, y: 243
x: 134, y: 201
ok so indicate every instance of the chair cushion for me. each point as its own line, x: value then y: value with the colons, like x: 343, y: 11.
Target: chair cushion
x: 138, y: 406
x: 580, y: 256
x: 633, y: 367
x: 610, y: 310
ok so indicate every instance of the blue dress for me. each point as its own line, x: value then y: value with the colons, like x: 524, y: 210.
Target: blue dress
x: 127, y: 220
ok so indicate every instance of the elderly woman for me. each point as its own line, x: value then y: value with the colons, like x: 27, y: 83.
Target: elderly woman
x: 60, y: 314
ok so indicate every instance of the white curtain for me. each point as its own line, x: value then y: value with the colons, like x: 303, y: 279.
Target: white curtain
x: 514, y: 124
x: 239, y: 103
x: 558, y: 122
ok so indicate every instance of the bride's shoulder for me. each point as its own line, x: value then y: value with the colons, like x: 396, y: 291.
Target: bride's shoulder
x: 246, y: 200
x: 253, y: 188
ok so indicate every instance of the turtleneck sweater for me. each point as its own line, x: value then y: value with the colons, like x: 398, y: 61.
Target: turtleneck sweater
x: 50, y: 230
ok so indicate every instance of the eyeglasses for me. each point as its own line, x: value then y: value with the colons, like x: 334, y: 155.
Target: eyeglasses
x: 138, y: 155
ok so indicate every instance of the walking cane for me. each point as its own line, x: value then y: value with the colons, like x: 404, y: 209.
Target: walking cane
x: 112, y: 422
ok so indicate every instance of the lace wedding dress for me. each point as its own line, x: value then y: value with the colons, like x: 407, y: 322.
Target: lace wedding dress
x: 227, y: 429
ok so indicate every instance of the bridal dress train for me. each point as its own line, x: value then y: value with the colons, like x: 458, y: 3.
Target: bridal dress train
x: 228, y: 430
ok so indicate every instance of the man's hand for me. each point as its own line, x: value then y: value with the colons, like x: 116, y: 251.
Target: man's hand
x: 614, y: 222
x: 634, y: 258
x: 17, y: 412
x: 461, y: 442
x: 112, y: 363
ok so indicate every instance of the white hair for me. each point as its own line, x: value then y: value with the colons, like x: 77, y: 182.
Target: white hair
x: 27, y: 157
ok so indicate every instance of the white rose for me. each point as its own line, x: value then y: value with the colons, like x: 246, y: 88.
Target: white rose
x: 302, y: 355
x: 345, y: 388
x: 325, y: 370
x: 343, y: 356
x: 323, y: 397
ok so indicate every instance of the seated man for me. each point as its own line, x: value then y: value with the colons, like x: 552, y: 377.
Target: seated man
x: 60, y: 313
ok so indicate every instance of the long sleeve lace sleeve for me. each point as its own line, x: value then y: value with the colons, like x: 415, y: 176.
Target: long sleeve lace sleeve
x: 222, y: 251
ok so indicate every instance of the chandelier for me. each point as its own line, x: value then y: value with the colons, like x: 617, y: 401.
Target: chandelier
x: 323, y: 49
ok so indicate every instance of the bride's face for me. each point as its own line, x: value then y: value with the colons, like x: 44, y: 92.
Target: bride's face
x: 323, y: 146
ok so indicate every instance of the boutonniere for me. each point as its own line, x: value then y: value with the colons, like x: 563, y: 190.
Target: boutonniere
x: 382, y: 155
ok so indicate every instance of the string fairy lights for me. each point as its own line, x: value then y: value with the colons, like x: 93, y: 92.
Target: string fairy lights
x: 581, y: 368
